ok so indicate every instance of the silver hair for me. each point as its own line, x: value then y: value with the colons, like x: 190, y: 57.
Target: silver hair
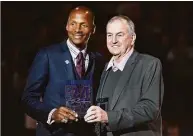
x: 130, y: 23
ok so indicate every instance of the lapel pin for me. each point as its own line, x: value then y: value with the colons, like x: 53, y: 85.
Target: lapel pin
x: 67, y: 61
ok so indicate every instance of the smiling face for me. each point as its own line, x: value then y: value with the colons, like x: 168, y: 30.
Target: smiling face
x: 119, y: 41
x: 80, y: 26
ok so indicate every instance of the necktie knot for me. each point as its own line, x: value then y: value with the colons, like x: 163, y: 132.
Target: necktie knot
x: 80, y: 56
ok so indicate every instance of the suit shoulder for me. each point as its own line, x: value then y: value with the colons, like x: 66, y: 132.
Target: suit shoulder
x: 100, y: 59
x: 148, y: 61
x: 97, y: 54
x: 53, y: 47
x: 148, y: 58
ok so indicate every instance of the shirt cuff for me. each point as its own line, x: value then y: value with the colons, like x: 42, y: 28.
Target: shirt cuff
x: 50, y: 121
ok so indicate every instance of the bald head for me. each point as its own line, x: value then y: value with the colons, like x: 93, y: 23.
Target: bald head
x: 83, y: 11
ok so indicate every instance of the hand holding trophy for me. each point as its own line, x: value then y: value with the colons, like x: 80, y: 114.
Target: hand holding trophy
x: 64, y: 114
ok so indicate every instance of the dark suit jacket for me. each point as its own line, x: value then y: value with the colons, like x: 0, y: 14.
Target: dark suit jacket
x: 47, y: 78
x: 134, y: 109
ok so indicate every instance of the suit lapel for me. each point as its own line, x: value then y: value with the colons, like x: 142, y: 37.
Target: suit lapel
x: 102, y: 82
x: 91, y: 65
x: 125, y: 76
x: 68, y: 62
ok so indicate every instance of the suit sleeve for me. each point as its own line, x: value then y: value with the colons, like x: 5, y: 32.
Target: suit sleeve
x: 35, y: 88
x: 148, y: 107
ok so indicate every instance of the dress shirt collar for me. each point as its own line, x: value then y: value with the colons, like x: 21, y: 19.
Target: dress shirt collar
x: 115, y: 66
x: 74, y: 50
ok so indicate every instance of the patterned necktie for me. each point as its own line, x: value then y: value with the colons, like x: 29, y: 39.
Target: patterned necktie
x: 80, y: 65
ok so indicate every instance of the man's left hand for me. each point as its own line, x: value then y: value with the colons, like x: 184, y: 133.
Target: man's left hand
x: 96, y: 114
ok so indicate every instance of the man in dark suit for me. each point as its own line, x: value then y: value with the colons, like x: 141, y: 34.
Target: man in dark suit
x: 131, y: 87
x: 53, y: 68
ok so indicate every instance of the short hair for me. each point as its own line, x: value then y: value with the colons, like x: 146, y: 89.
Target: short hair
x: 130, y: 23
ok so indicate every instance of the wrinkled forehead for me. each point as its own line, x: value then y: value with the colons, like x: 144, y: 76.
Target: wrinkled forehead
x: 117, y: 26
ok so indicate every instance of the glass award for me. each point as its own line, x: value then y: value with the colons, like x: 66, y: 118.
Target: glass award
x: 78, y: 96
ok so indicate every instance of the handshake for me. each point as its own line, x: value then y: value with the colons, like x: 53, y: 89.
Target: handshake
x: 93, y: 114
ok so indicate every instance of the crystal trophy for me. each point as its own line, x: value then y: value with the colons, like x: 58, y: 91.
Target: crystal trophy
x: 78, y: 96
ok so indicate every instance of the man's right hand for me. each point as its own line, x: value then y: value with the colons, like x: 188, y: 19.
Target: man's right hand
x: 63, y: 114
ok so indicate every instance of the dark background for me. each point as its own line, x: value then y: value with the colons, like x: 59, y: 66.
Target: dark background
x: 164, y: 30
